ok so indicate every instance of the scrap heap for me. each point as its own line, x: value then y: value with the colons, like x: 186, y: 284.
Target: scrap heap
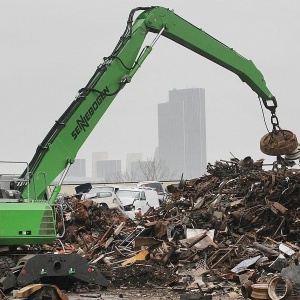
x: 233, y: 230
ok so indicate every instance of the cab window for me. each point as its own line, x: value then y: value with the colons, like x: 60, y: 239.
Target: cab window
x: 143, y: 196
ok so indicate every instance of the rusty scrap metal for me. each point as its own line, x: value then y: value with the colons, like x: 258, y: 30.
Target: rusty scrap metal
x: 40, y: 291
x: 253, y: 214
x: 280, y: 288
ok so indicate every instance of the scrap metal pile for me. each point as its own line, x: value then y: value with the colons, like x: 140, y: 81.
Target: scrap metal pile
x: 234, y: 230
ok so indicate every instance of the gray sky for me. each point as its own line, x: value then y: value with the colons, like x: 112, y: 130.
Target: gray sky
x: 50, y: 49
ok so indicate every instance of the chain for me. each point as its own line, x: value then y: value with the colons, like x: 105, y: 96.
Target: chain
x: 276, y: 127
x: 275, y: 122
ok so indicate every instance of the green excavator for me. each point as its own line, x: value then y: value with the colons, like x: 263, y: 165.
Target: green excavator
x: 27, y: 209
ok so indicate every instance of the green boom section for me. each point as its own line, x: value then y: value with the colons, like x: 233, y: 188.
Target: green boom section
x: 63, y: 143
x: 26, y: 223
x: 197, y: 40
x: 64, y: 140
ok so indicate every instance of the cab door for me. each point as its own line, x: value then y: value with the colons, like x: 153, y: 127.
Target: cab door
x: 141, y: 203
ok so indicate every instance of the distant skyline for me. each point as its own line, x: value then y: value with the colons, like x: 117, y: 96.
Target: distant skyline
x: 181, y: 141
x: 182, y: 132
x: 50, y: 49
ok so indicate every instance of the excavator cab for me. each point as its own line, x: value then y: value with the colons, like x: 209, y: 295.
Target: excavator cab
x: 23, y: 221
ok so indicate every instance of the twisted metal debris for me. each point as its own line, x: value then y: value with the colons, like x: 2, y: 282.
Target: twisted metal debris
x: 231, y: 230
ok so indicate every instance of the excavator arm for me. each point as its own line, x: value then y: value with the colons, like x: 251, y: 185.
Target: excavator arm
x: 197, y: 40
x: 61, y: 145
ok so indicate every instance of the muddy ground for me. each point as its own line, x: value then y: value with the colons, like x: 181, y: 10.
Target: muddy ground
x: 149, y: 294
x: 139, y: 294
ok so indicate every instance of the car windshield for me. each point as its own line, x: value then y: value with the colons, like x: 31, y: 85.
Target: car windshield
x: 128, y: 194
x: 102, y: 188
x: 104, y: 194
x: 157, y: 186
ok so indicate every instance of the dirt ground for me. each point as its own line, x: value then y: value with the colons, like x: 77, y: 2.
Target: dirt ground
x: 139, y: 294
x: 140, y: 281
x: 132, y: 294
x: 149, y: 294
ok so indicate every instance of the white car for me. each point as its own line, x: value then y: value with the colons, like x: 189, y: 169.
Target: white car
x: 156, y: 185
x: 105, y: 188
x: 137, y: 200
x: 107, y: 199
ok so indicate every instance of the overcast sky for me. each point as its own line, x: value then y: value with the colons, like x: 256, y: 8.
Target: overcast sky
x: 50, y: 49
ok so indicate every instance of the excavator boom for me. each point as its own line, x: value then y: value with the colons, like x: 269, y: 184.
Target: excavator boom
x: 62, y: 143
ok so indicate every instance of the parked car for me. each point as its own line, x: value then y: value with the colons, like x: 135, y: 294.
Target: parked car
x: 107, y: 199
x: 156, y: 185
x: 104, y: 188
x: 137, y: 200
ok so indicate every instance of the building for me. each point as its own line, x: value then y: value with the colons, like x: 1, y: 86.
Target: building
x: 97, y: 156
x: 182, y: 133
x: 77, y: 169
x: 130, y: 158
x: 108, y: 170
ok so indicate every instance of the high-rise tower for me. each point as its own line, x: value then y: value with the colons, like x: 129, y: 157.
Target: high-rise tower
x: 182, y: 133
